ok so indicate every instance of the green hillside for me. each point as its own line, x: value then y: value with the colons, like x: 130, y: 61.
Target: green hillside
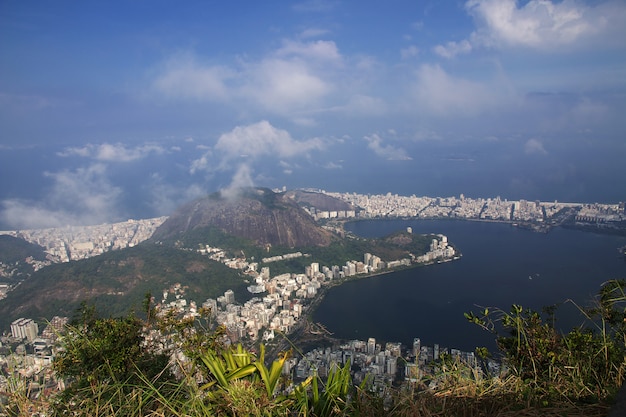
x: 118, y: 281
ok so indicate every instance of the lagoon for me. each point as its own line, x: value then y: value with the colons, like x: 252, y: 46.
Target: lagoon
x: 501, y: 265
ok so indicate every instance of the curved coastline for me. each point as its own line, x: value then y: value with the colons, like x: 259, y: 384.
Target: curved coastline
x: 564, y: 255
x: 297, y: 335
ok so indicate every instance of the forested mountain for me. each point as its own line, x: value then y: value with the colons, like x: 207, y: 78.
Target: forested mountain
x: 118, y: 281
x: 18, y: 257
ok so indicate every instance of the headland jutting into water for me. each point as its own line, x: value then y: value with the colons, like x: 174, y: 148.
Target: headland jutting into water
x: 279, y: 313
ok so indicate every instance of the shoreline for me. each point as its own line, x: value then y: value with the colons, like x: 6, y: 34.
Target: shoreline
x: 296, y: 338
x: 599, y: 228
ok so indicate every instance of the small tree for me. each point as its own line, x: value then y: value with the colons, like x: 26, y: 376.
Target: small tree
x: 104, y: 352
x: 587, y: 364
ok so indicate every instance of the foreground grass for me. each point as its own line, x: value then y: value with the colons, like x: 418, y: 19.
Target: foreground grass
x: 112, y: 371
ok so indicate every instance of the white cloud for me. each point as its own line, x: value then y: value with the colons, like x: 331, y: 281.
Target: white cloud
x: 304, y: 121
x: 263, y: 139
x: 333, y: 165
x: 440, y: 93
x: 374, y: 142
x: 286, y: 166
x: 84, y: 152
x: 540, y: 24
x: 543, y: 25
x: 251, y: 142
x: 80, y: 197
x: 534, y: 146
x: 283, y: 86
x: 452, y: 49
x: 241, y: 179
x: 572, y: 112
x: 294, y: 78
x: 203, y: 163
x: 423, y: 134
x: 112, y: 152
x: 360, y: 104
x: 167, y: 197
x: 409, y: 52
x: 316, y: 50
x: 589, y: 111
x: 313, y: 33
x: 184, y: 78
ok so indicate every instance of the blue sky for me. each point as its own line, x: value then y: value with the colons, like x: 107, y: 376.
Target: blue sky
x: 164, y: 101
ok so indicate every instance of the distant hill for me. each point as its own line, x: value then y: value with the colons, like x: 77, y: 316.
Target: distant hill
x: 319, y: 201
x: 17, y: 256
x: 257, y: 215
x: 118, y: 281
x: 256, y: 223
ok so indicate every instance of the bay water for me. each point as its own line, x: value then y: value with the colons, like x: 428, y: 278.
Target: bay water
x: 501, y: 265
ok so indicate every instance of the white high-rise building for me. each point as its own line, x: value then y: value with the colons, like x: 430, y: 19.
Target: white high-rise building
x: 229, y: 295
x: 371, y: 346
x: 265, y: 272
x: 417, y: 346
x: 211, y: 304
x: 24, y: 329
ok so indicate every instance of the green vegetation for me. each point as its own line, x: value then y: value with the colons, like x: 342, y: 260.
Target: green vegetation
x: 113, y: 370
x: 105, y: 353
x: 395, y: 246
x: 13, y: 250
x: 13, y: 254
x: 213, y: 236
x: 117, y: 281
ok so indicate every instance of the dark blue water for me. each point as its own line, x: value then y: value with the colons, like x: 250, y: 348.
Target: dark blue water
x: 501, y: 265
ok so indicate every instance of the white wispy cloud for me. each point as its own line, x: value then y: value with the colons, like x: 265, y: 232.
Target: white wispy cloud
x: 438, y: 92
x: 250, y: 143
x: 318, y: 50
x: 166, y: 197
x: 333, y: 165
x: 362, y: 105
x: 80, y: 197
x: 241, y: 179
x: 375, y: 143
x: 452, y: 49
x: 538, y: 23
x: 293, y: 78
x: 204, y: 163
x: 262, y: 139
x: 283, y: 85
x: 542, y: 25
x: 313, y: 33
x: 534, y: 146
x: 112, y: 152
x: 183, y: 77
x: 409, y: 52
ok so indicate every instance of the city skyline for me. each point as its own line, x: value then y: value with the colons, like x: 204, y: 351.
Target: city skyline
x: 115, y: 111
x: 69, y: 242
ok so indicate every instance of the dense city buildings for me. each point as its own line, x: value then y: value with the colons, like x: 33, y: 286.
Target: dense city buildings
x: 71, y: 243
x: 393, y: 205
x: 79, y: 242
x: 282, y: 308
x: 280, y: 302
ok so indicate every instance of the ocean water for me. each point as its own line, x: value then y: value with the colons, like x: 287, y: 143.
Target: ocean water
x: 501, y: 265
